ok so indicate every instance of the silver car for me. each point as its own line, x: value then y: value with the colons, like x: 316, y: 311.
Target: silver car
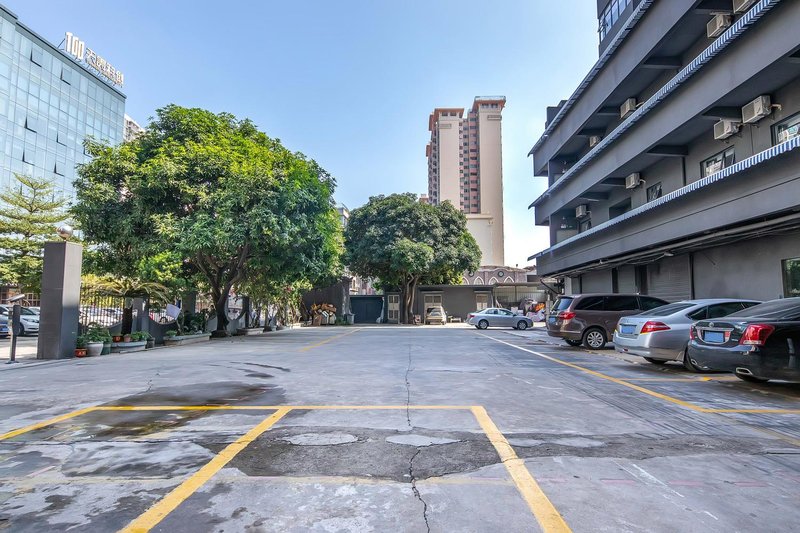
x: 662, y: 334
x: 498, y: 317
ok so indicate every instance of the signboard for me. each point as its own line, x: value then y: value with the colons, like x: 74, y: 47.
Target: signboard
x: 78, y: 49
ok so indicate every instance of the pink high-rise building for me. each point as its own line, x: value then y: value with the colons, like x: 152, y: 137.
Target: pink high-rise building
x: 465, y: 166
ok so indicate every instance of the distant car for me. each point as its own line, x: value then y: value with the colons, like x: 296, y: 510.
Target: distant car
x: 3, y: 327
x: 28, y: 320
x: 756, y: 344
x: 435, y: 315
x: 662, y: 334
x: 498, y: 317
x: 36, y: 310
x: 590, y: 319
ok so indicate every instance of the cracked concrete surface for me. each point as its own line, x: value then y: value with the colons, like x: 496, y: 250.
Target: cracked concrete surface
x: 608, y: 458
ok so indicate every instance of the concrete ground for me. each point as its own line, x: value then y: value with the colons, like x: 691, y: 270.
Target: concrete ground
x: 392, y: 429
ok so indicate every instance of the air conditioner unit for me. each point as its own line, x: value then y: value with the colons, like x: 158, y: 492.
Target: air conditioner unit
x: 718, y: 24
x: 581, y: 211
x: 740, y: 6
x: 726, y: 128
x: 627, y: 108
x: 633, y: 180
x: 756, y: 110
x: 594, y: 140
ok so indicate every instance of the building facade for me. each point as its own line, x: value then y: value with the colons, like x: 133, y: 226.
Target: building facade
x: 674, y: 168
x: 49, y: 103
x: 132, y: 129
x: 465, y: 167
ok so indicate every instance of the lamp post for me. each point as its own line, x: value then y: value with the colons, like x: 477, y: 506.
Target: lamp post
x: 16, y: 311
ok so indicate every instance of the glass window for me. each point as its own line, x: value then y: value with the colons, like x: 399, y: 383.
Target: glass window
x: 562, y: 304
x: 786, y: 309
x: 791, y: 277
x: 654, y: 192
x: 700, y: 314
x: 37, y: 55
x: 590, y: 303
x: 621, y: 303
x: 648, y: 302
x: 31, y: 124
x: 720, y: 310
x: 786, y: 130
x: 671, y: 309
x: 717, y: 162
x: 66, y: 75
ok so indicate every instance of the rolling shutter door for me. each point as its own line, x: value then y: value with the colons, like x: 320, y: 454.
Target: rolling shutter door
x: 670, y: 279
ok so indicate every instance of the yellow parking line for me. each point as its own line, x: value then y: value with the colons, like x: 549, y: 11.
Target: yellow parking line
x: 150, y: 518
x: 546, y: 514
x: 330, y: 339
x: 45, y: 423
x: 644, y: 390
x: 270, y: 407
x: 686, y: 380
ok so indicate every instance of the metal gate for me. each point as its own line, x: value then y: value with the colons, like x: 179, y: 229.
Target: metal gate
x: 367, y: 309
x: 670, y: 279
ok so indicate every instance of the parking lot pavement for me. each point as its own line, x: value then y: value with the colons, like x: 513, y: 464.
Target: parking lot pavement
x: 26, y: 349
x: 390, y: 428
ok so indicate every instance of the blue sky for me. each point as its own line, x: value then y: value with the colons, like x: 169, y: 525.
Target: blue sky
x: 349, y: 83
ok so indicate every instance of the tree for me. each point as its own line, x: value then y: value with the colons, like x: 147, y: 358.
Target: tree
x: 403, y: 243
x: 30, y: 212
x: 216, y: 193
x: 127, y: 288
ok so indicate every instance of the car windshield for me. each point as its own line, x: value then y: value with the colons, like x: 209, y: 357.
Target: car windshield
x: 562, y: 304
x: 786, y: 309
x: 26, y: 311
x: 669, y: 309
x: 434, y: 311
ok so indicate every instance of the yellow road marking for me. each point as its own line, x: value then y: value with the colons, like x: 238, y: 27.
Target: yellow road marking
x: 45, y: 423
x: 644, y: 390
x: 330, y: 339
x: 546, y: 514
x: 270, y: 407
x: 150, y: 518
x: 688, y: 380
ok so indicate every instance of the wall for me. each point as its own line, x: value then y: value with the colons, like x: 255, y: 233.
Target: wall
x: 457, y: 300
x: 749, y: 269
x: 596, y: 282
x: 449, y: 160
x: 481, y: 228
x: 491, y: 176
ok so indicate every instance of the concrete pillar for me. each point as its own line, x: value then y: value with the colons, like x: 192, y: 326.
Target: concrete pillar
x: 139, y: 314
x: 60, y: 300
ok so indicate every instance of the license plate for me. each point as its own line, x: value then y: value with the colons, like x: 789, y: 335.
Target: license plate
x: 717, y: 337
x: 627, y: 329
x: 552, y: 320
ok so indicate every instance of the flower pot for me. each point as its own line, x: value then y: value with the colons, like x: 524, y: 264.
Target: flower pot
x: 80, y: 352
x: 106, y: 348
x: 126, y: 338
x: 151, y: 343
x: 116, y: 338
x: 94, y: 348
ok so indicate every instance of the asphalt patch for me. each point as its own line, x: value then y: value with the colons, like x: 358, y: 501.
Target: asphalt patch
x: 214, y: 393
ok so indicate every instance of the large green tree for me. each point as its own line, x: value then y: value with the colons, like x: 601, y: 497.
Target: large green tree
x: 217, y: 196
x: 403, y: 243
x: 30, y: 211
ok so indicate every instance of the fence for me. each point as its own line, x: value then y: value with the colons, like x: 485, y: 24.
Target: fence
x: 100, y: 309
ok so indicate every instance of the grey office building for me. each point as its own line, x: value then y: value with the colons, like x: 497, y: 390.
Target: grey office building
x: 674, y: 168
x: 48, y: 104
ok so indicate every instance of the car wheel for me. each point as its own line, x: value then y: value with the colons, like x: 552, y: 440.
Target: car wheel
x: 21, y: 330
x: 655, y: 361
x: 750, y: 379
x: 689, y: 365
x: 483, y: 324
x: 522, y: 325
x: 594, y: 339
x: 572, y: 342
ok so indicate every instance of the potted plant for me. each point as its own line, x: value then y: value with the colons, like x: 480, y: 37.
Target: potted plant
x: 80, y: 346
x: 171, y: 333
x: 151, y: 342
x: 116, y: 338
x: 128, y: 337
x: 94, y: 342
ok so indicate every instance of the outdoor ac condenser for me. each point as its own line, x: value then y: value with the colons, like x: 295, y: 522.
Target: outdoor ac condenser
x: 627, y: 108
x: 594, y: 140
x: 725, y: 128
x: 718, y: 24
x: 740, y: 6
x: 633, y: 180
x: 756, y: 110
x: 581, y: 211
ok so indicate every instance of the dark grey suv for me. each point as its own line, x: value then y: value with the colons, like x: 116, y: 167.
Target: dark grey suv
x: 591, y: 318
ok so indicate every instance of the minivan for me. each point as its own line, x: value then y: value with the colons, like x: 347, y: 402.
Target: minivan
x: 590, y: 319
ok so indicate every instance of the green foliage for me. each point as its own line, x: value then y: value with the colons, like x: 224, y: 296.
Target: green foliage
x: 171, y: 333
x: 30, y: 211
x: 124, y: 287
x: 203, y: 194
x: 96, y: 333
x: 403, y: 242
x: 138, y: 336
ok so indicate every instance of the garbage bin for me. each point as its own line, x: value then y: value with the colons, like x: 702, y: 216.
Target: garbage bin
x: 351, y: 318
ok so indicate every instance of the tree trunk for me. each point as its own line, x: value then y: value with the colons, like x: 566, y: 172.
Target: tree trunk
x: 222, y: 317
x: 127, y: 320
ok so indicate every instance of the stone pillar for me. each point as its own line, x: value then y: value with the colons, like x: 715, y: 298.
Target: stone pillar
x: 139, y: 314
x: 60, y: 300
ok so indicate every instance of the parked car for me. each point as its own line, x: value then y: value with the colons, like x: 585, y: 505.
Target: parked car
x: 36, y: 309
x: 756, y: 344
x: 590, y: 319
x: 662, y: 334
x: 498, y: 317
x: 3, y: 327
x: 435, y: 315
x: 28, y: 320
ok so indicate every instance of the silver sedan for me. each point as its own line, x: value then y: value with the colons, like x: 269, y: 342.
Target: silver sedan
x: 498, y: 317
x: 662, y: 334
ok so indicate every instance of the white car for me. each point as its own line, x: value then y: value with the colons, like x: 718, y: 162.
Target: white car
x: 28, y: 319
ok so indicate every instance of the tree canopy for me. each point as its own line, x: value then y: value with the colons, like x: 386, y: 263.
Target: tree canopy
x: 206, y: 195
x: 30, y: 211
x: 403, y: 243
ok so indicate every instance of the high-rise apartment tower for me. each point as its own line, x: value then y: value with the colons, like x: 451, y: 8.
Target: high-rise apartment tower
x: 465, y: 166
